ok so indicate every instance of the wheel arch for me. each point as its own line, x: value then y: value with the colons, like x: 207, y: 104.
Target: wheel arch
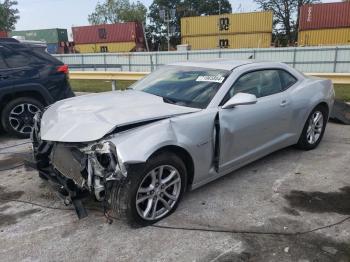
x: 324, y: 105
x: 9, y: 96
x: 184, y: 155
x: 30, y: 93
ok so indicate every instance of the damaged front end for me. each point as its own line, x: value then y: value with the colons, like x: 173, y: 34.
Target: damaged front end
x: 80, y: 169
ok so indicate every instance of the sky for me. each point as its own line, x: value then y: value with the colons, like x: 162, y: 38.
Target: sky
x: 39, y: 14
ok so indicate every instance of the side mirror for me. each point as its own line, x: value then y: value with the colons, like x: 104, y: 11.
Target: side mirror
x: 240, y: 99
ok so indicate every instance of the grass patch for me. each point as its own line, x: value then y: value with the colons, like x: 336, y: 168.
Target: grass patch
x: 342, y: 92
x: 97, y: 86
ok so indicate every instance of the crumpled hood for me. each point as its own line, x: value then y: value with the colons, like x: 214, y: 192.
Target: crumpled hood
x: 90, y: 117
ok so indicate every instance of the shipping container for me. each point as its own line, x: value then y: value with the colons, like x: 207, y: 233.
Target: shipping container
x: 109, y: 33
x: 49, y: 36
x: 322, y: 16
x: 337, y: 36
x: 256, y: 22
x: 258, y: 40
x: 52, y: 48
x: 106, y: 47
x: 3, y: 34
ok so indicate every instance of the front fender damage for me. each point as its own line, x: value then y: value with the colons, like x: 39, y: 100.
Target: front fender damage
x: 80, y: 170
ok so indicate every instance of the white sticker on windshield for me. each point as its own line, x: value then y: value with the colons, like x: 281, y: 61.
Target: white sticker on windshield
x: 216, y: 79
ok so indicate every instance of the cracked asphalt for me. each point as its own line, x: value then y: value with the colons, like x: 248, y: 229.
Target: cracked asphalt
x: 288, y: 191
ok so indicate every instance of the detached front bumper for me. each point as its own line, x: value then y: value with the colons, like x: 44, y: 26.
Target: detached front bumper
x: 79, y: 169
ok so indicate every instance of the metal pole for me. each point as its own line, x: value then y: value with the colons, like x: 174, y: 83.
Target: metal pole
x: 156, y: 60
x: 144, y: 35
x: 335, y: 60
x: 151, y: 60
x: 168, y: 22
x: 114, y: 85
x: 82, y: 62
x: 294, y: 56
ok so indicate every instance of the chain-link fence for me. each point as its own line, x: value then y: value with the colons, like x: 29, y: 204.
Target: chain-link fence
x: 306, y: 59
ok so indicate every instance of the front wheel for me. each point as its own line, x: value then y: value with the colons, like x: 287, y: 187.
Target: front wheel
x: 314, y: 129
x: 153, y: 193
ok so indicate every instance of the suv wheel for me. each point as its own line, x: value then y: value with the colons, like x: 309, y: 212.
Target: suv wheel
x: 153, y: 193
x: 17, y: 116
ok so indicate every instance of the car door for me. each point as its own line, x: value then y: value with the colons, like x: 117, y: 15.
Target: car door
x: 248, y: 132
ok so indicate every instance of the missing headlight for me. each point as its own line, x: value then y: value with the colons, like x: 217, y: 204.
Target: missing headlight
x: 104, y: 159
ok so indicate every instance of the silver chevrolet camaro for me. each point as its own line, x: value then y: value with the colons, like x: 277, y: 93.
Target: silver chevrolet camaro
x: 184, y: 125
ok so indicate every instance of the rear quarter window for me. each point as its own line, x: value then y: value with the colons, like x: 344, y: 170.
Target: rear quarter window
x: 15, y: 59
x: 287, y: 80
x: 43, y: 56
x: 22, y: 55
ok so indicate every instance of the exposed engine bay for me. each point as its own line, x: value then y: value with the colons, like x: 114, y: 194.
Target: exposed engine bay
x: 80, y: 169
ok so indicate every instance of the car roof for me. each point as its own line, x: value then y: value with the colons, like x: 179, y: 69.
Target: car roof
x: 8, y: 40
x: 223, y: 64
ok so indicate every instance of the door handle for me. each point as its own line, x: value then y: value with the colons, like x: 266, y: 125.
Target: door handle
x: 284, y: 103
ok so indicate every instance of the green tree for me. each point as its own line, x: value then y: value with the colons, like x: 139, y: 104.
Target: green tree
x: 115, y: 11
x: 205, y: 7
x: 157, y: 28
x: 134, y: 12
x: 8, y: 15
x: 286, y: 17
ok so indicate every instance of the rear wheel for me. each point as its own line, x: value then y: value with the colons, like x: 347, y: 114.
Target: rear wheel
x: 17, y: 116
x: 152, y: 194
x: 314, y: 129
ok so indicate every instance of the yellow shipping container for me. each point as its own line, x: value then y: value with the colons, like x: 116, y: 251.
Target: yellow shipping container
x: 256, y: 22
x: 337, y: 36
x: 259, y: 40
x: 106, y: 47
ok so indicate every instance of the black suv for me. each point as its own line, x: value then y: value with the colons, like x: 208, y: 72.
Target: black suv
x: 30, y: 79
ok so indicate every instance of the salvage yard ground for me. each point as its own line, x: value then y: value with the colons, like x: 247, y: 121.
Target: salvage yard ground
x: 342, y: 91
x: 249, y: 215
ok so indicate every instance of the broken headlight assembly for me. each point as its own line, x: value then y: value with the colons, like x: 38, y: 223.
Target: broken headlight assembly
x: 103, y: 165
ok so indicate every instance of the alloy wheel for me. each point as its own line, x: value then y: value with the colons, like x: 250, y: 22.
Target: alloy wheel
x: 158, y: 192
x: 315, y: 127
x: 21, y: 117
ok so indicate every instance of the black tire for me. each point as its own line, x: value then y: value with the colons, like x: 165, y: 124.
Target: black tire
x: 123, y: 195
x: 303, y: 142
x: 26, y: 119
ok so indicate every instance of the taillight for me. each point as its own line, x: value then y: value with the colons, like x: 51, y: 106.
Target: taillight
x: 63, y: 69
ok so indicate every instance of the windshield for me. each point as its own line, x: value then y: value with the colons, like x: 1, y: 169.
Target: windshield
x: 185, y: 86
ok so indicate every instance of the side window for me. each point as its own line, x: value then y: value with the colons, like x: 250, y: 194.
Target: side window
x: 287, y: 79
x: 15, y: 59
x: 259, y: 83
x: 248, y: 83
x: 270, y: 83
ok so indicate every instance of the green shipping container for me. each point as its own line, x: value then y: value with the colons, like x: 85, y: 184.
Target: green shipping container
x: 49, y: 36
